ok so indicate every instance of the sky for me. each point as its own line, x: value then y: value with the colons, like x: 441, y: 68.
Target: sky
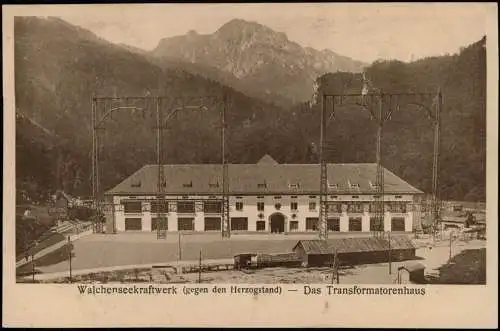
x: 365, y: 32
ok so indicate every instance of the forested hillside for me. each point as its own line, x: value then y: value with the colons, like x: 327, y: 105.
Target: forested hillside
x: 59, y: 67
x: 408, y: 135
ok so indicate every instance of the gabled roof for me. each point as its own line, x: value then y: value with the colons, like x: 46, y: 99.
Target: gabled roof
x: 264, y: 177
x: 354, y: 245
x: 266, y: 159
x: 65, y: 195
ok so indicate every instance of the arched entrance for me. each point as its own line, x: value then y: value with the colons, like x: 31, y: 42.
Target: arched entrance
x: 277, y: 222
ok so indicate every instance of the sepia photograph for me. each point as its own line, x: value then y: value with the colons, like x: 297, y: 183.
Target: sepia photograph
x: 266, y: 144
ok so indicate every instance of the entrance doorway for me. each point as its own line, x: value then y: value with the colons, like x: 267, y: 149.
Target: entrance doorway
x: 277, y: 223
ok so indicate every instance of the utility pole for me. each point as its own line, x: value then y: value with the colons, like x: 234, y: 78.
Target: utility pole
x: 337, y: 265
x: 226, y: 223
x: 69, y: 260
x: 199, y: 269
x: 33, y: 266
x: 179, y: 242
x: 390, y: 253
x: 435, y: 164
x: 451, y: 235
x: 379, y: 181
x: 382, y: 115
x: 323, y: 194
x: 161, y: 228
x: 101, y: 112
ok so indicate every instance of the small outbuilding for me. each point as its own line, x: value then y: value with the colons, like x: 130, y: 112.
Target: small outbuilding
x: 411, y: 273
x: 353, y: 251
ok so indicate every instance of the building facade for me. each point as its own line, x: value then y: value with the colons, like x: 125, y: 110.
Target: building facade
x: 265, y: 197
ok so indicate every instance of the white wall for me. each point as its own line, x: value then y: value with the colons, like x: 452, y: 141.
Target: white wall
x: 251, y: 213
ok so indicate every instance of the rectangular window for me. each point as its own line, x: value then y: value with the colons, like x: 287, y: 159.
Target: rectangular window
x: 294, y: 185
x: 334, y: 207
x: 133, y: 224
x: 239, y: 224
x: 376, y: 224
x: 355, y: 207
x: 355, y: 224
x: 239, y: 206
x: 261, y: 226
x: 159, y: 207
x: 396, y: 207
x: 185, y: 224
x: 212, y: 223
x: 261, y: 185
x: 260, y: 206
x: 311, y: 224
x: 132, y: 207
x: 355, y: 196
x: 397, y: 224
x: 312, y: 206
x: 190, y: 184
x: 185, y: 207
x: 294, y: 206
x: 159, y: 222
x: 294, y: 225
x: 333, y: 224
x: 212, y: 207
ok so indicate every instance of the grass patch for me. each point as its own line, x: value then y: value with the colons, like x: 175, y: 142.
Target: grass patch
x: 468, y: 267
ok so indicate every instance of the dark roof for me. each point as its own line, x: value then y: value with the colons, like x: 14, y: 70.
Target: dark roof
x: 412, y: 266
x: 354, y: 245
x: 264, y: 177
x: 64, y: 195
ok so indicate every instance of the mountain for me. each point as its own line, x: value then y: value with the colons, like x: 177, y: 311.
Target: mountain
x: 266, y: 63
x: 58, y: 67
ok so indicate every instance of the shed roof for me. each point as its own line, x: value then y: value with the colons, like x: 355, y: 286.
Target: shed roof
x: 354, y: 245
x: 265, y: 177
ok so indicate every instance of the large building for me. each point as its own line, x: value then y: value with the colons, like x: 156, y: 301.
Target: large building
x: 263, y: 197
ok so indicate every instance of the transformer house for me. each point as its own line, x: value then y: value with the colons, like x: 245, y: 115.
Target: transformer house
x: 265, y: 197
x: 355, y: 251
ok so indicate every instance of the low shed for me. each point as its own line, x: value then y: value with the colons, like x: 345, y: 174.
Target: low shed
x: 411, y: 272
x: 353, y: 251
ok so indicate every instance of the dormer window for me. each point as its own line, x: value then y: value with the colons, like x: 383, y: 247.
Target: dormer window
x: 261, y: 185
x: 190, y: 184
x: 136, y: 183
x: 294, y: 185
x: 374, y: 185
x: 213, y: 185
x: 354, y: 185
x: 333, y: 185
